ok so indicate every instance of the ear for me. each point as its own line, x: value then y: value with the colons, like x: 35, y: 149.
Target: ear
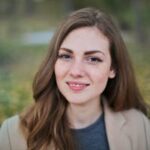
x: 112, y: 74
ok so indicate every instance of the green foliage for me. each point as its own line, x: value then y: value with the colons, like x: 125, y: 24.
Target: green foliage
x: 13, y: 98
x: 16, y: 79
x: 6, y: 57
x: 140, y: 56
x: 18, y: 63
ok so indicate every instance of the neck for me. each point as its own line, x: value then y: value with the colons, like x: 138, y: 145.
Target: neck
x: 83, y: 115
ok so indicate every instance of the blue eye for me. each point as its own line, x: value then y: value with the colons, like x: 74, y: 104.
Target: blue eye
x: 64, y: 57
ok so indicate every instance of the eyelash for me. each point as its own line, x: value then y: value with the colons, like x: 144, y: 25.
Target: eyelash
x: 64, y: 56
x: 90, y: 59
x: 93, y: 60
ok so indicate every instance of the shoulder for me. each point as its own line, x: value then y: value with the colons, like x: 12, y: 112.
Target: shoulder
x: 131, y: 126
x: 11, y: 125
x: 135, y: 116
x: 137, y: 120
x: 13, y: 122
x: 132, y: 116
x: 138, y: 125
x: 11, y: 135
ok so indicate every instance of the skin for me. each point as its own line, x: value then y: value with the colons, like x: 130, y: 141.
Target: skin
x: 82, y: 71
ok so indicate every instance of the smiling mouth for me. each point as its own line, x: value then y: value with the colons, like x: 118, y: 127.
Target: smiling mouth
x: 76, y: 86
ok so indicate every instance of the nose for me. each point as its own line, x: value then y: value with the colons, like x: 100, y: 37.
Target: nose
x: 77, y: 69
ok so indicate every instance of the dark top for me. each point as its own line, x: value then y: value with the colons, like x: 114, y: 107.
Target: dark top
x: 92, y: 137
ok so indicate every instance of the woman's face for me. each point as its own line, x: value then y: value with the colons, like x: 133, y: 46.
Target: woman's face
x: 83, y: 66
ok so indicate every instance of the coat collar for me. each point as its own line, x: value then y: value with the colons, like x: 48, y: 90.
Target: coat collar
x: 115, y: 128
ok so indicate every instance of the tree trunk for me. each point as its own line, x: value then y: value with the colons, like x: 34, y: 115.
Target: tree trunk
x: 139, y: 29
x: 30, y: 7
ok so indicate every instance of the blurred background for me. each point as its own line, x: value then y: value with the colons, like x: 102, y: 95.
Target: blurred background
x: 26, y: 27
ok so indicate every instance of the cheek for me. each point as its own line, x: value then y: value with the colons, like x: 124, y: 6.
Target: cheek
x: 100, y: 75
x: 60, y: 70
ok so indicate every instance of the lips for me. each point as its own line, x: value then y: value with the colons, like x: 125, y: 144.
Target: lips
x: 77, y: 86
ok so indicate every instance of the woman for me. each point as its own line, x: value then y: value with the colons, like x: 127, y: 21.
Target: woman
x: 85, y: 93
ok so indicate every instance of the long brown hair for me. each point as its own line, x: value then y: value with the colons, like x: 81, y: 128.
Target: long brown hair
x: 46, y: 124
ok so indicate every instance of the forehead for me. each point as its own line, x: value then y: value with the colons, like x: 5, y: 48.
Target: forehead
x: 86, y: 38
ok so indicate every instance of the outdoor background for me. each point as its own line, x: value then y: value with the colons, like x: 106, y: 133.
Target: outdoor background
x: 26, y: 27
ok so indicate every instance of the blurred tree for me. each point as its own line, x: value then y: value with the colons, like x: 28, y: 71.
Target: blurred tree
x: 12, y: 6
x: 8, y: 7
x: 129, y: 13
x: 139, y: 28
x: 114, y: 7
x: 30, y: 7
x: 68, y: 5
x: 8, y: 11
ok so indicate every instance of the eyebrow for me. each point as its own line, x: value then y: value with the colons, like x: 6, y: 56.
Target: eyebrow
x: 86, y: 53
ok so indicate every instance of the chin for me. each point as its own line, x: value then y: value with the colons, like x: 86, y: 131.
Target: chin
x: 77, y: 101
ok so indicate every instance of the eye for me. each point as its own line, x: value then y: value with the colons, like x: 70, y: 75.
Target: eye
x: 93, y: 60
x: 65, y: 57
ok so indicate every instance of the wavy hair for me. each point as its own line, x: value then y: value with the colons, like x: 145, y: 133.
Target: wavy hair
x: 45, y: 124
